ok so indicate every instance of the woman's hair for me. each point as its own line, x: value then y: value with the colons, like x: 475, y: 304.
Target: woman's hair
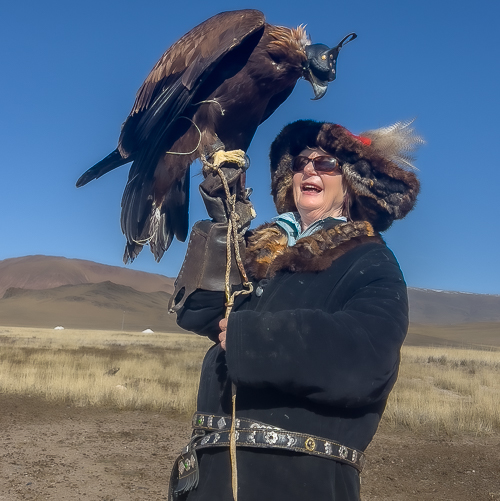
x: 346, y: 204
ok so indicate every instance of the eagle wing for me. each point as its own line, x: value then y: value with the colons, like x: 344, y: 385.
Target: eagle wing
x: 173, y: 81
x: 164, y: 95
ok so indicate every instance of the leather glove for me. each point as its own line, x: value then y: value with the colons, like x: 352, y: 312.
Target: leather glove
x: 214, y: 195
x: 204, y: 265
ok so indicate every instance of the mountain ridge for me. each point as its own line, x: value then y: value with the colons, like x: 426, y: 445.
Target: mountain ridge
x: 50, y: 279
x: 39, y: 272
x: 102, y: 306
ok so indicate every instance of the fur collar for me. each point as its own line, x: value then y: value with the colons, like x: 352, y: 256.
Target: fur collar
x: 267, y: 250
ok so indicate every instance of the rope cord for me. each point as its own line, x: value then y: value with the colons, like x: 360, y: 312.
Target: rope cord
x: 155, y: 223
x: 232, y: 243
x: 222, y: 111
x: 187, y: 152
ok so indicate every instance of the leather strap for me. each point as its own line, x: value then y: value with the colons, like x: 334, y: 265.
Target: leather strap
x: 250, y: 433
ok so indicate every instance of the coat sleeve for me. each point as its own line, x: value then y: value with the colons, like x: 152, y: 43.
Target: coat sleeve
x: 349, y: 357
x: 202, y: 312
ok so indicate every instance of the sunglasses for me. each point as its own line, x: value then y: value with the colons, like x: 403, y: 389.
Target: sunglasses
x: 320, y: 164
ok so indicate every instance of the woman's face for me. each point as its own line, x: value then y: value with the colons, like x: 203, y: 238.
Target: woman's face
x: 317, y: 194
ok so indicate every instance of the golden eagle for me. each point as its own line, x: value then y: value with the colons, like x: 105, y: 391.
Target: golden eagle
x: 215, y: 85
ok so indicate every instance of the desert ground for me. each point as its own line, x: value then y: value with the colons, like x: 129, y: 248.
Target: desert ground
x: 53, y: 451
x: 104, y: 443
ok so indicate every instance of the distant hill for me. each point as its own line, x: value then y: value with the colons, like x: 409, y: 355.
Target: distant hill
x: 104, y: 305
x: 44, y: 291
x: 479, y: 334
x: 47, y: 272
x: 444, y: 307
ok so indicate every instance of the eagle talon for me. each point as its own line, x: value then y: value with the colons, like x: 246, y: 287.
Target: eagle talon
x: 237, y: 157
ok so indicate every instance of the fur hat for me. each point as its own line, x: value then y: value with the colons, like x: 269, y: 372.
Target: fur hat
x: 376, y: 167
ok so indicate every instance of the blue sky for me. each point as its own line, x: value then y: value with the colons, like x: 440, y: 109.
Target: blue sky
x: 70, y: 71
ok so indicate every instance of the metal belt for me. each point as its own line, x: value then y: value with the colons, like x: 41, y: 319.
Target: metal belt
x: 210, y: 430
x: 251, y: 433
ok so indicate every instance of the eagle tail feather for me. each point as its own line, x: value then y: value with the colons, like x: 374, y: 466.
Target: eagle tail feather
x: 107, y: 164
x: 143, y: 222
x: 174, y: 218
x: 137, y: 205
x: 132, y: 250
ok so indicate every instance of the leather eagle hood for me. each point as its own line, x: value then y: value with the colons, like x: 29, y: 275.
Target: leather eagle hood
x: 376, y: 167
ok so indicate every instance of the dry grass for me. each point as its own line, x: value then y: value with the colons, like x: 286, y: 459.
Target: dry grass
x: 156, y: 371
x: 447, y: 391
x: 442, y: 390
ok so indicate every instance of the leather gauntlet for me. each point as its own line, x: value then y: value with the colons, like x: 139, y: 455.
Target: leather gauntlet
x: 204, y: 265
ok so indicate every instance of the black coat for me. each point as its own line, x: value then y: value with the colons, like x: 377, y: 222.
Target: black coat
x: 317, y: 352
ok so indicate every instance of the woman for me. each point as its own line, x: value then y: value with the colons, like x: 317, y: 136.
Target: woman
x: 313, y: 351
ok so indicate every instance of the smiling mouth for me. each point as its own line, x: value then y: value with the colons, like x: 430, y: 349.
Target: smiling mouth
x: 310, y: 188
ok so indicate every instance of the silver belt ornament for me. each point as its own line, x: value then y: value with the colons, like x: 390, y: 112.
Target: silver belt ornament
x: 214, y: 431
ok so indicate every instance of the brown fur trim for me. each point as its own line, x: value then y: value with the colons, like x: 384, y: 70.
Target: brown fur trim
x: 263, y: 246
x: 267, y: 251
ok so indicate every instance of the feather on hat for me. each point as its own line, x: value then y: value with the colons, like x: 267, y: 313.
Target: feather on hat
x: 376, y: 167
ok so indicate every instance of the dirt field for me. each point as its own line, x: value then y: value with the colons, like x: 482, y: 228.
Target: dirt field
x: 53, y: 451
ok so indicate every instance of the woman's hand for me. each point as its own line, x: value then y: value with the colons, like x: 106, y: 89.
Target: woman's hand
x: 222, y: 335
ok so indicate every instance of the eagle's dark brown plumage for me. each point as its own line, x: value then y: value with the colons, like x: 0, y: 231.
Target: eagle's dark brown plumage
x: 215, y: 84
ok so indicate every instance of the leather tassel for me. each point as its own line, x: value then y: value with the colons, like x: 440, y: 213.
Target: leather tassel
x: 185, y: 473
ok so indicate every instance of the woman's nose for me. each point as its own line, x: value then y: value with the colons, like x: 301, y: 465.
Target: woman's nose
x: 309, y: 168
